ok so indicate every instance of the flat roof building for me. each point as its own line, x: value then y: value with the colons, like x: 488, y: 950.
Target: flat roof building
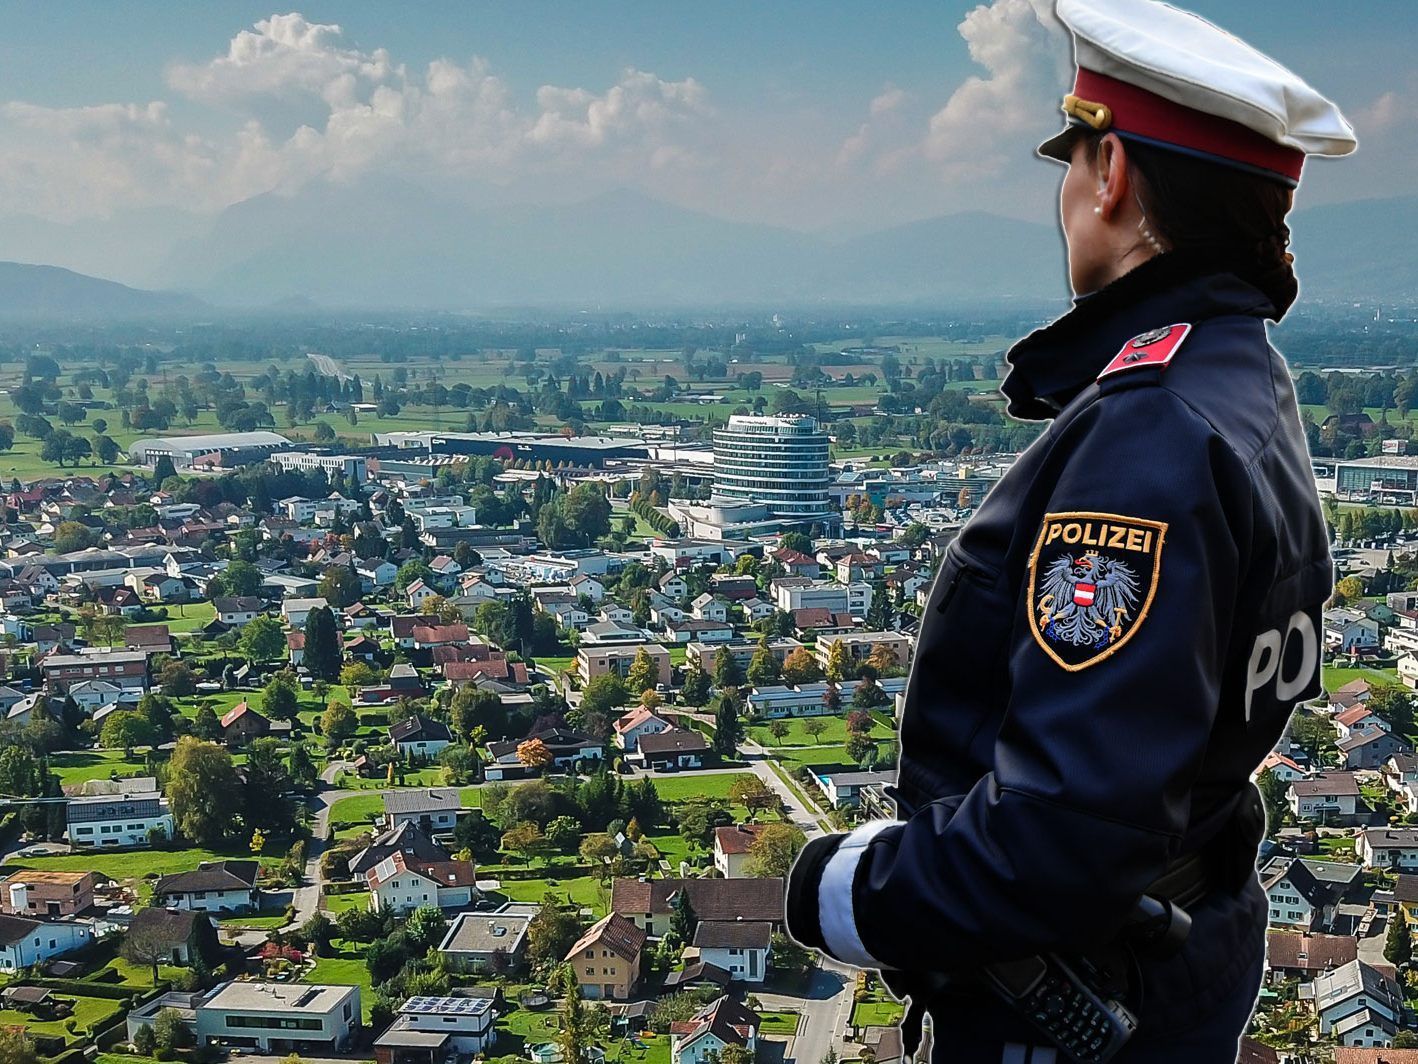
x: 185, y: 450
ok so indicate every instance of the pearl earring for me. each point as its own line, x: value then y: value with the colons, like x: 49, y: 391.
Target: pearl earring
x: 1097, y: 210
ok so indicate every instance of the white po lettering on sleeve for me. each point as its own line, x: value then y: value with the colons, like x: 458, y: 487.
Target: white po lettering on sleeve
x: 1268, y: 653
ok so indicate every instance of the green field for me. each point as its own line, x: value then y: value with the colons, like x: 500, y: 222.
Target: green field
x: 784, y: 1022
x: 876, y: 1014
x: 1336, y: 676
x: 125, y: 865
x: 338, y: 903
x: 345, y: 968
x: 835, y: 733
x: 87, y: 1012
x: 78, y: 766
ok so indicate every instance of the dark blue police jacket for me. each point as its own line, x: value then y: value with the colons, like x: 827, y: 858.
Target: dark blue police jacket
x: 1112, y: 644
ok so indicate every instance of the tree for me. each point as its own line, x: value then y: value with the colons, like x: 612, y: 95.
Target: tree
x: 263, y: 639
x: 750, y: 791
x: 642, y: 673
x: 524, y: 838
x: 695, y: 691
x: 323, y: 650
x: 70, y: 536
x: 339, y: 586
x: 203, y: 789
x: 411, y: 570
x: 177, y: 679
x: 147, y: 945
x: 683, y: 919
x: 726, y: 669
x: 425, y: 926
x: 106, y: 449
x: 728, y: 729
x: 582, y: 1025
x: 205, y: 723
x: 763, y: 666
x: 779, y: 729
x: 772, y: 853
x: 534, y: 754
x: 604, y: 693
x: 324, y: 432
x: 551, y: 932
x: 598, y: 848
x: 280, y: 698
x: 563, y: 833
x: 163, y: 468
x: 126, y: 729
x: 238, y: 579
x: 1275, y: 793
x: 338, y: 723
x: 143, y: 1040
x: 1398, y: 946
x: 839, y: 664
x: 801, y: 667
x: 815, y: 726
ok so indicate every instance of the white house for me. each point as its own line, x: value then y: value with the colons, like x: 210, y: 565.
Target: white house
x: 443, y: 1026
x: 708, y: 608
x: 296, y: 610
x: 238, y: 610
x: 25, y: 942
x: 401, y: 883
x: 740, y: 947
x: 731, y: 845
x: 1346, y: 630
x: 1388, y: 848
x: 1331, y: 798
x: 705, y: 1036
x: 638, y: 722
x: 419, y: 736
x: 311, y: 1018
x: 214, y: 886
x: 1358, y: 1005
x: 376, y: 574
x: 113, y: 820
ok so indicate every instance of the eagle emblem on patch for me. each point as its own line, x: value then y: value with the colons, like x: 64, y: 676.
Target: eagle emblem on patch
x: 1092, y: 577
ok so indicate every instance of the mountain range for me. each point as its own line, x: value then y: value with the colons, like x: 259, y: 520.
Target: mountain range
x: 395, y: 245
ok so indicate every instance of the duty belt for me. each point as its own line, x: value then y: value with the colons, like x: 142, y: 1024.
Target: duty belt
x: 1223, y: 862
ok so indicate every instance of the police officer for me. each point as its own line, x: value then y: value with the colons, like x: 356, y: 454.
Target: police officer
x: 1118, y: 636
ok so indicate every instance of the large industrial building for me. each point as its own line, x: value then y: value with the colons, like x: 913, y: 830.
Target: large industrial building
x: 1388, y: 478
x: 589, y: 451
x: 223, y: 449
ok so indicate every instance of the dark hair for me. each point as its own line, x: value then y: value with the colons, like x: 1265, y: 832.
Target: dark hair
x: 1223, y: 214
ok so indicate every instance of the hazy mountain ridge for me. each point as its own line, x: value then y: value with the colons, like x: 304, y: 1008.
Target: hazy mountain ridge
x: 28, y: 290
x: 392, y: 245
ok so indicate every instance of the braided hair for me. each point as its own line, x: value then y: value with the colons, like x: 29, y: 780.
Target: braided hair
x: 1223, y: 214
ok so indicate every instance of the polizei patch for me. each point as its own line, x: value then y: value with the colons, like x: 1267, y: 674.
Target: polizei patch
x: 1091, y: 580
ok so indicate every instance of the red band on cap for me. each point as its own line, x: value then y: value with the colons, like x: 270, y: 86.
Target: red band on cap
x: 1136, y: 110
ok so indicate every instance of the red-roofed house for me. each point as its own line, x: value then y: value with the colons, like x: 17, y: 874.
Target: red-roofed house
x: 404, y: 883
x: 731, y: 845
x: 638, y: 722
x: 606, y: 958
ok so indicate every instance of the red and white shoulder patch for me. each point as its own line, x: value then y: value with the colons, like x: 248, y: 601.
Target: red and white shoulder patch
x: 1153, y: 348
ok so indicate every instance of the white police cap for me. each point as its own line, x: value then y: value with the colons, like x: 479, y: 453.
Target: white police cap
x: 1158, y: 74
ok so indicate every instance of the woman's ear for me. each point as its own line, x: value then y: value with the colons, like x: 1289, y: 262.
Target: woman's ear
x: 1110, y: 168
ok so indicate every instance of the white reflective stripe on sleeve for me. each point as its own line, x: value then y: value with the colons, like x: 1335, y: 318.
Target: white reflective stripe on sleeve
x: 834, y: 896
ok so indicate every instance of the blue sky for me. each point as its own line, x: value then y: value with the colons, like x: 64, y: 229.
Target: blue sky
x: 815, y: 116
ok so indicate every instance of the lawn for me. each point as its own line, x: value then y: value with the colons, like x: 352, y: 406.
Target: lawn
x: 87, y: 1012
x: 357, y: 809
x: 834, y: 734
x: 185, y: 618
x: 581, y: 890
x: 338, y: 903
x: 674, y: 788
x: 1336, y: 676
x: 129, y: 864
x: 876, y: 1013
x: 141, y: 975
x: 80, y: 766
x: 419, y: 777
x: 345, y: 968
x: 778, y: 1022
x: 264, y: 920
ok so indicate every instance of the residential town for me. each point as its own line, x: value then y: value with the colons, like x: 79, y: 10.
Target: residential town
x: 454, y: 745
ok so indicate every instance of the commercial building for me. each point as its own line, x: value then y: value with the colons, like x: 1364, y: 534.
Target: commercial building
x: 778, y: 461
x: 590, y: 451
x: 352, y: 466
x: 1388, y: 478
x: 219, y: 449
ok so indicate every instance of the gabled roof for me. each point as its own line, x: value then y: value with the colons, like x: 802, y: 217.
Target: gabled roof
x: 711, y: 899
x: 1311, y: 953
x: 673, y: 741
x: 241, y: 709
x: 732, y: 934
x: 211, y: 875
x: 736, y: 838
x: 730, y: 1021
x: 613, y: 932
x: 451, y: 873
x: 419, y: 728
x: 406, y: 839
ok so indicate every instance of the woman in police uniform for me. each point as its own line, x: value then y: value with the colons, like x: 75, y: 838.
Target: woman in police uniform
x: 1118, y: 636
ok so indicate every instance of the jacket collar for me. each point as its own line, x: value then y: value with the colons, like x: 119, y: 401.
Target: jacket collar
x: 1053, y: 364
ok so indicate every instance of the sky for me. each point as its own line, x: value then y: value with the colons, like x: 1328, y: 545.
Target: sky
x: 820, y: 116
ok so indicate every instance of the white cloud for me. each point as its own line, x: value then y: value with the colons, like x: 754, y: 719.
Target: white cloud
x: 309, y: 105
x: 988, y: 119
